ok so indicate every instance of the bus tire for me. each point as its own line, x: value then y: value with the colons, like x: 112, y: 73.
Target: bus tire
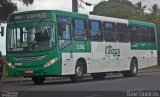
x: 98, y: 76
x: 133, y: 69
x: 38, y: 79
x: 79, y: 73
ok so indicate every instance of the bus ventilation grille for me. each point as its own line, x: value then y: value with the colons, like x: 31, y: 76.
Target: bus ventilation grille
x: 29, y: 59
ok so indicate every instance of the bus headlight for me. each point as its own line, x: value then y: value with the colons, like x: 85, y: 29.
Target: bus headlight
x: 11, y: 65
x: 51, y: 62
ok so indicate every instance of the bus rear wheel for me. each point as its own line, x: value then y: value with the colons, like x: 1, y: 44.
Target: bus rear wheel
x: 38, y: 79
x: 79, y: 73
x: 98, y: 76
x: 133, y: 69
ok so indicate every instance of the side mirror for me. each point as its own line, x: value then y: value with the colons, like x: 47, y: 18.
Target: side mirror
x: 2, y: 31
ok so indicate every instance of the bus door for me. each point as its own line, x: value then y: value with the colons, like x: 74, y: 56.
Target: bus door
x: 121, y: 50
x: 97, y: 46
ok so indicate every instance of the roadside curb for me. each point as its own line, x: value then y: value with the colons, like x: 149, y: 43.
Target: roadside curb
x: 22, y: 79
x: 146, y: 71
x: 14, y: 80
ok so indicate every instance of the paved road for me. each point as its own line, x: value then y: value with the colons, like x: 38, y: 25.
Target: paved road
x: 144, y: 81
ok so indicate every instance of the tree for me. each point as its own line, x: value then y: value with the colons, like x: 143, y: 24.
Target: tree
x: 155, y: 9
x: 7, y: 7
x: 27, y: 2
x: 139, y: 9
x: 122, y: 2
x: 114, y: 8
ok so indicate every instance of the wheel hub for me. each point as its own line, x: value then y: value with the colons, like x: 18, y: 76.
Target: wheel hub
x: 134, y: 69
x: 79, y: 71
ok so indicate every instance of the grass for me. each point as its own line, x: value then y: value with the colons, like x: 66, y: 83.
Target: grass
x: 156, y: 67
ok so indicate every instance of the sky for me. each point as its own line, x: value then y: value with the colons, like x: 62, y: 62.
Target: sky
x: 65, y: 5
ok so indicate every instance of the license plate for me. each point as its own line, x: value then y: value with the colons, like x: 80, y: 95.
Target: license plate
x: 28, y: 72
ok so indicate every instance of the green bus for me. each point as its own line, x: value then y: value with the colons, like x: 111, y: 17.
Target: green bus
x: 48, y: 43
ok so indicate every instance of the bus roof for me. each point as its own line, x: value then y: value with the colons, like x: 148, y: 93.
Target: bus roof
x: 118, y: 20
x: 71, y: 14
x: 134, y: 22
x: 65, y: 13
x: 92, y: 17
x: 108, y: 19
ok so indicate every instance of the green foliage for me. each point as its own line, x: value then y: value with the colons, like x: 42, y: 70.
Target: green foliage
x: 7, y: 7
x: 27, y: 2
x: 145, y: 18
x: 139, y: 9
x: 122, y: 2
x: 155, y: 9
x: 113, y: 9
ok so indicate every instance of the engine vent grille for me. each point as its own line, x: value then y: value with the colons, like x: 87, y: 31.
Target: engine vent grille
x: 29, y: 59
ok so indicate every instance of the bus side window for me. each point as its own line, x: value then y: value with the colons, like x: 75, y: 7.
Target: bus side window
x: 64, y: 28
x: 96, y: 30
x: 79, y: 30
x: 109, y: 32
x: 122, y: 32
x: 133, y: 33
x: 65, y: 31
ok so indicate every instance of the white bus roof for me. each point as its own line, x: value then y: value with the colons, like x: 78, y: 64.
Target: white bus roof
x: 108, y: 19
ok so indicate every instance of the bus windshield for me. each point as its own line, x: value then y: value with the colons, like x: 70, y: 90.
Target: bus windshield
x: 32, y: 38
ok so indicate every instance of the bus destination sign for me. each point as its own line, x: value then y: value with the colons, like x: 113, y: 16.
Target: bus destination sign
x: 32, y: 15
